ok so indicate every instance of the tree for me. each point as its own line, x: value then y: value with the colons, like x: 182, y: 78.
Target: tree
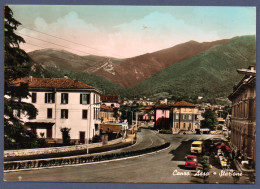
x: 17, y: 64
x: 116, y: 114
x: 209, y: 119
x: 226, y: 111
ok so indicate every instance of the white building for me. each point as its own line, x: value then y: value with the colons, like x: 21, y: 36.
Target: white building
x: 63, y: 102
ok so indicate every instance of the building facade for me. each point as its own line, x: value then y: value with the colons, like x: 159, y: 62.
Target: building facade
x: 61, y: 103
x: 243, y: 118
x: 107, y: 114
x: 112, y: 101
x: 162, y: 117
x: 184, y: 117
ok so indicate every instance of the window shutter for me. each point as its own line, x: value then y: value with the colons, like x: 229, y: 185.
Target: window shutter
x: 46, y: 97
x: 67, y: 114
x: 88, y: 99
x: 34, y: 97
x: 53, y: 97
x: 80, y: 98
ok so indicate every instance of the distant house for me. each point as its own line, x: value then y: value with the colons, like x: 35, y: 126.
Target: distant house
x: 146, y: 115
x: 184, y: 116
x: 243, y: 118
x: 107, y: 114
x: 112, y: 101
x: 62, y: 102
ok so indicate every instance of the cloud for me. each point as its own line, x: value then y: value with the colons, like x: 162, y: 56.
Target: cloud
x: 152, y: 32
x: 156, y: 31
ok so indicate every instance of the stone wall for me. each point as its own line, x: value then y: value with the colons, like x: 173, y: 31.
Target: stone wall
x: 38, y: 151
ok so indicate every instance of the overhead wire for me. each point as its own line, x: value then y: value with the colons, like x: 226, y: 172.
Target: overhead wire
x: 61, y: 58
x: 52, y: 43
x: 67, y: 40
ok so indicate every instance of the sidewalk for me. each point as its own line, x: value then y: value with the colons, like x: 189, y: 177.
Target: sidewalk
x: 130, y: 138
x: 238, y: 165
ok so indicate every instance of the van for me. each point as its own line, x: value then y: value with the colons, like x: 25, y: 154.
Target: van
x: 197, y: 147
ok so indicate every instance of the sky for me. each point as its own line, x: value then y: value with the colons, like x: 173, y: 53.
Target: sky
x: 127, y: 31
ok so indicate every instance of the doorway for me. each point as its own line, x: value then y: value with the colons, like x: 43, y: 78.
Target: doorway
x: 82, y: 137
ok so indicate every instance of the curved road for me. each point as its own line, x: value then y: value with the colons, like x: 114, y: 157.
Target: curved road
x: 151, y: 168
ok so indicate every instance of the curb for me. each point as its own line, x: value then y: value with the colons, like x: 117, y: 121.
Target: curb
x: 74, y: 165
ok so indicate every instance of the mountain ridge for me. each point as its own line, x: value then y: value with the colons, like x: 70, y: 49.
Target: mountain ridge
x: 136, y: 68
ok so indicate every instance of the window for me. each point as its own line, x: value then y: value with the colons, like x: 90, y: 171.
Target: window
x: 84, y: 98
x: 49, y: 97
x: 176, y: 125
x: 64, y: 113
x: 190, y: 117
x: 64, y: 98
x: 96, y: 127
x: 176, y: 116
x: 184, y: 116
x: 16, y: 113
x: 34, y: 97
x: 184, y: 125
x: 49, y: 113
x: 84, y: 114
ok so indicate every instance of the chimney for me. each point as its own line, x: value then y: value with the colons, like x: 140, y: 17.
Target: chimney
x: 30, y: 78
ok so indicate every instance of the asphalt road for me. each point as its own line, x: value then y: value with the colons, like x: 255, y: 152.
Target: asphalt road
x: 160, y: 167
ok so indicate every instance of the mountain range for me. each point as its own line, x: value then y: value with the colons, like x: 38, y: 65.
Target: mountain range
x: 186, y: 70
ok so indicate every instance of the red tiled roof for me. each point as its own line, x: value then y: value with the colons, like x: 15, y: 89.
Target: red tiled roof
x: 148, y: 107
x: 183, y: 104
x: 51, y: 83
x: 163, y: 106
x: 110, y: 98
x: 103, y: 107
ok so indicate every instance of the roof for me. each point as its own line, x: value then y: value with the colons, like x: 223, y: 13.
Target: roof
x: 148, y: 108
x: 197, y: 142
x: 105, y: 108
x: 110, y: 98
x: 61, y: 83
x: 192, y: 156
x: 248, y: 79
x: 163, y: 106
x: 183, y: 104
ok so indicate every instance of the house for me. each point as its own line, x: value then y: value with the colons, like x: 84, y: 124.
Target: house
x: 146, y: 113
x: 107, y: 114
x: 184, y: 116
x: 62, y: 102
x: 162, y: 117
x: 112, y: 101
x: 243, y: 117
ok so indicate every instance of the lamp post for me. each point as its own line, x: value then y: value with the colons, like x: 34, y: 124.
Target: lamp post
x: 88, y: 133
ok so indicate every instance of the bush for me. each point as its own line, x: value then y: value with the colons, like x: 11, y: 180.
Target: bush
x: 96, y: 138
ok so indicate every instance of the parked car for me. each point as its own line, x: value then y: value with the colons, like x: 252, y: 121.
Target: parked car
x: 191, y: 162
